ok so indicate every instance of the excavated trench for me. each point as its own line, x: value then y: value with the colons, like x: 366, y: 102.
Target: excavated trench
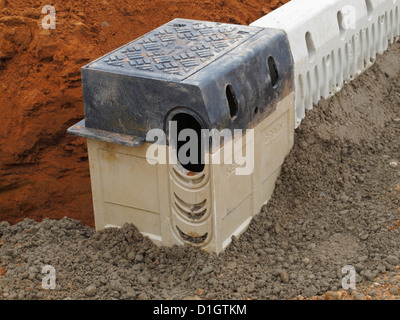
x: 336, y: 204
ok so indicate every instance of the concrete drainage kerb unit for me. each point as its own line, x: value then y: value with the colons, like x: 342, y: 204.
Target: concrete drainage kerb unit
x: 204, y: 75
x: 200, y: 75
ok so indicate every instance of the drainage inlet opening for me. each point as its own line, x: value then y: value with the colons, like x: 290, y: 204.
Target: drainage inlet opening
x: 232, y: 102
x: 188, y: 143
x: 273, y: 72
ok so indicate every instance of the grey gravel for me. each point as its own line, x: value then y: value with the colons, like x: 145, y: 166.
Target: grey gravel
x: 358, y: 296
x: 394, y: 290
x: 284, y: 277
x: 91, y: 290
x: 393, y: 260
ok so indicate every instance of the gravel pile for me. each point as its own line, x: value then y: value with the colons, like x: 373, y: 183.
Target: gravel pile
x: 336, y: 204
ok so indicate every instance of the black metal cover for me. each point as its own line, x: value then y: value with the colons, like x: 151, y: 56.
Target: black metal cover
x: 223, y: 75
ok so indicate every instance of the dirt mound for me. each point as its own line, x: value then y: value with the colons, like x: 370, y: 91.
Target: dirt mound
x: 43, y: 171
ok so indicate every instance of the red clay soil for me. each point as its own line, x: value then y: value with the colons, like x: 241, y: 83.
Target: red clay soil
x: 44, y: 172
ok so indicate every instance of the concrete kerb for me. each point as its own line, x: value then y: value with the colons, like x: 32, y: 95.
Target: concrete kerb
x: 332, y: 42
